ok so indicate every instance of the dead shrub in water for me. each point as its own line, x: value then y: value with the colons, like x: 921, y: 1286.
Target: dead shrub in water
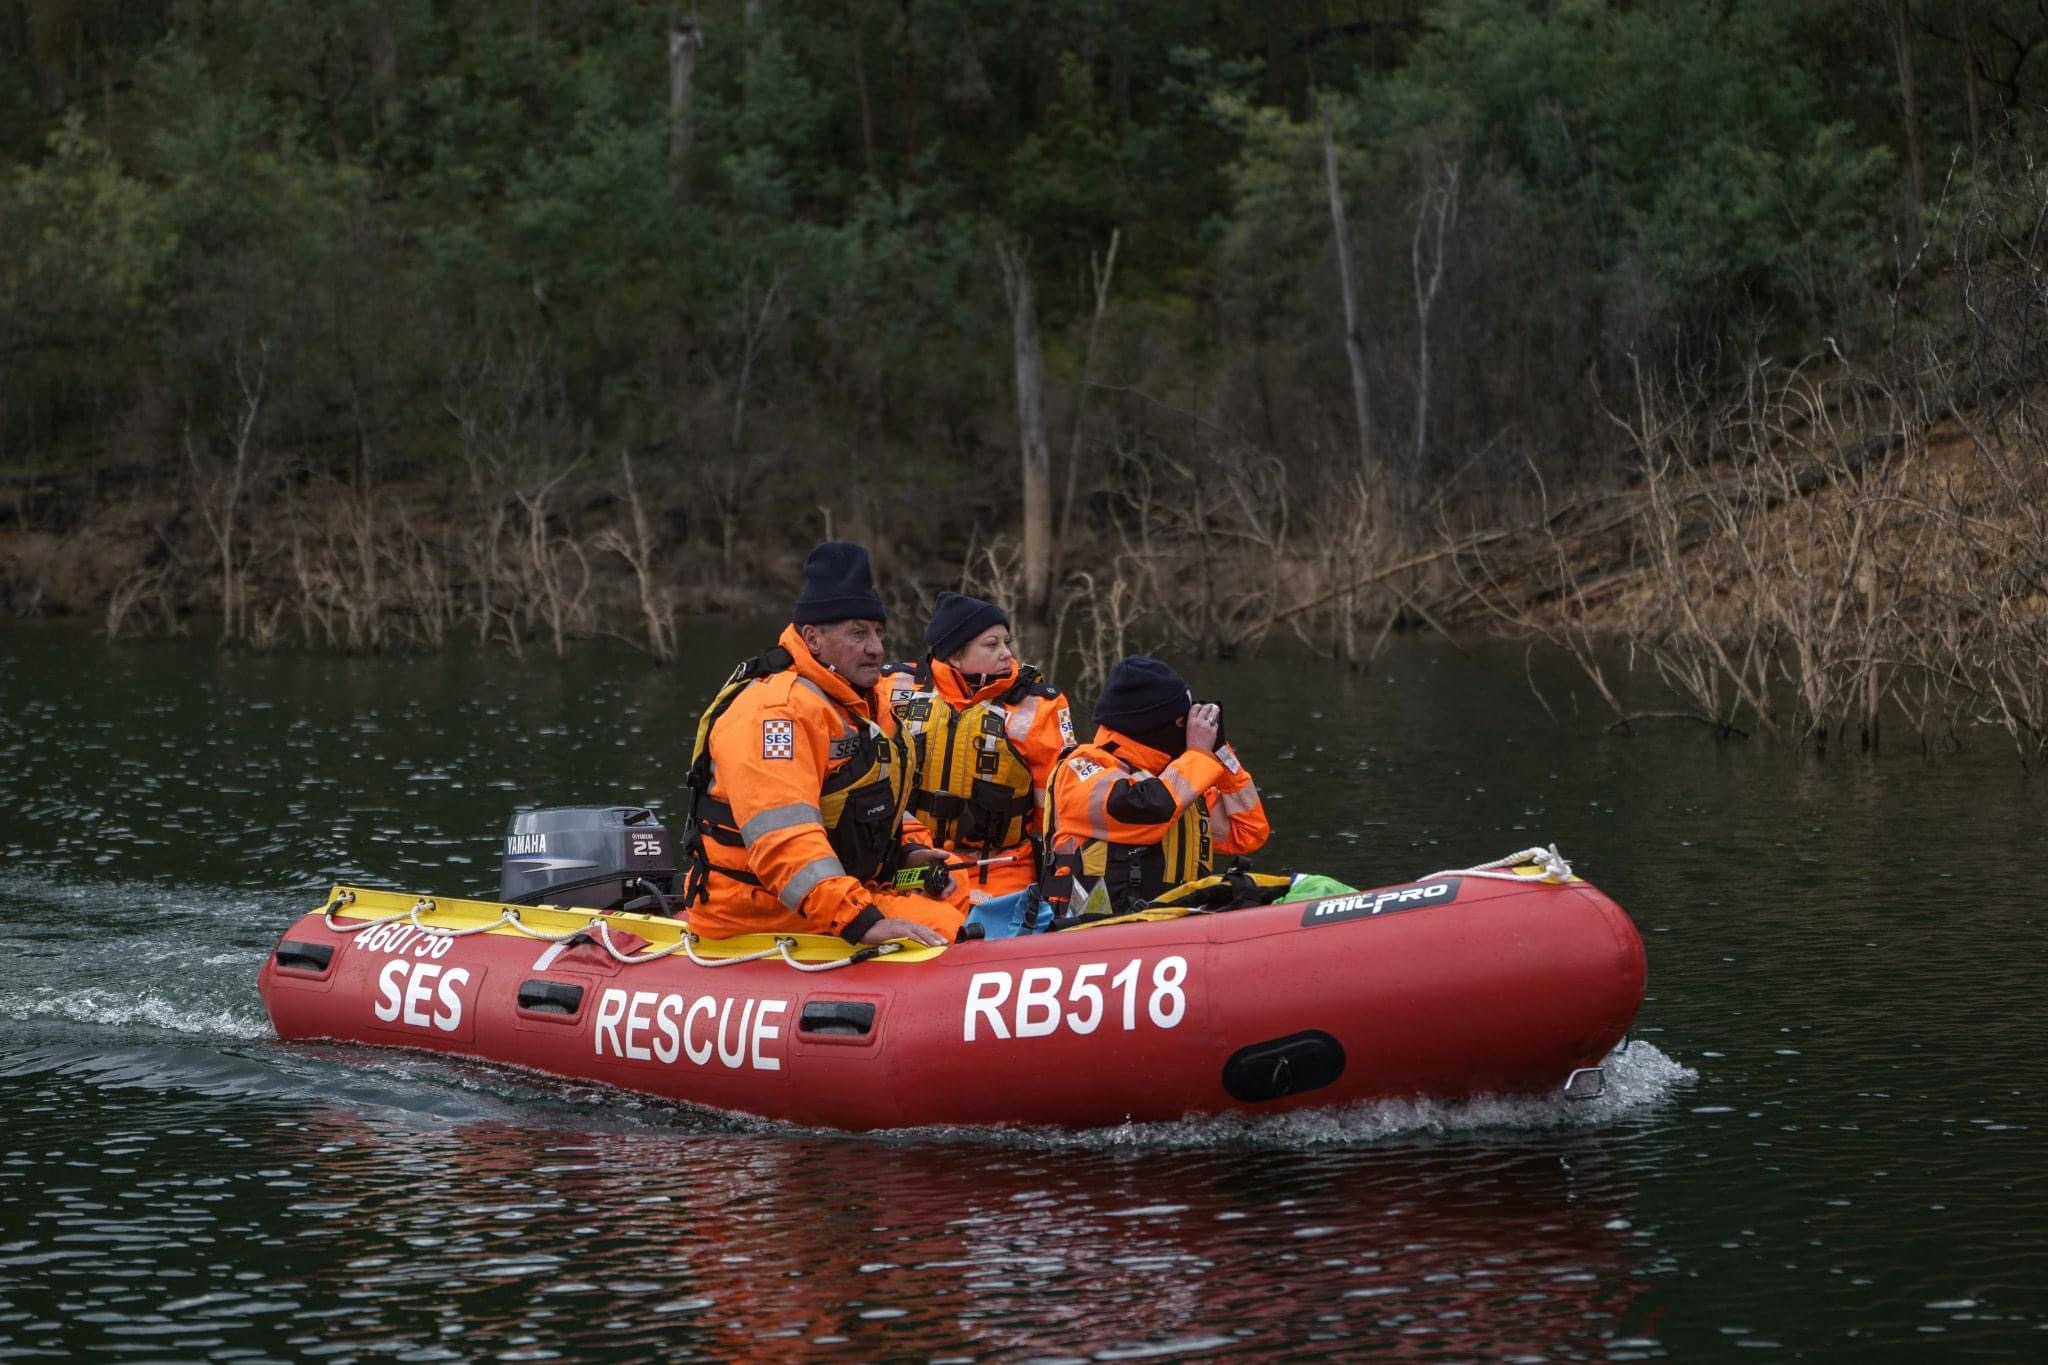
x: 1827, y: 546
x: 657, y: 600
x: 144, y: 593
x: 366, y: 579
x: 553, y: 573
x: 1199, y: 538
x: 222, y: 483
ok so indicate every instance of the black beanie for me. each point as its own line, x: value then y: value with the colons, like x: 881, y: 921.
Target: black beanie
x: 957, y: 619
x: 837, y: 587
x: 1142, y: 694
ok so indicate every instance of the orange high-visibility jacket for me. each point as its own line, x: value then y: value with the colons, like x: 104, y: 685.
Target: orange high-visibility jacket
x: 1122, y: 814
x: 973, y: 750
x: 782, y: 756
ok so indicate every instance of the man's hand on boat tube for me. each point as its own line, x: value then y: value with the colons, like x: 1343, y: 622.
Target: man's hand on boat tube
x: 888, y: 927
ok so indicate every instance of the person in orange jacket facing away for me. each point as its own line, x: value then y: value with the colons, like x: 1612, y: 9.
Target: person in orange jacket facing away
x: 984, y: 731
x: 1149, y: 801
x: 799, y: 781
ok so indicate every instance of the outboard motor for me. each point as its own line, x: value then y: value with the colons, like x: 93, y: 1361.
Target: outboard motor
x: 589, y: 857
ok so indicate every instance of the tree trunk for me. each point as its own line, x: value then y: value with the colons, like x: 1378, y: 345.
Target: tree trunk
x: 683, y: 38
x: 860, y: 85
x: 1102, y: 270
x: 1902, y: 50
x: 1036, y: 455
x: 54, y: 40
x: 755, y: 18
x: 1439, y: 210
x: 1969, y: 46
x: 1354, y: 343
x: 221, y: 490
x: 383, y: 70
x: 758, y: 321
x: 1120, y: 86
x: 1871, y: 693
x: 907, y: 53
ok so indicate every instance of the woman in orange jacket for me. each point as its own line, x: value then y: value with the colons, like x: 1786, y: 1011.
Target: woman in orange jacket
x: 799, y: 781
x: 985, y: 731
x: 1149, y: 801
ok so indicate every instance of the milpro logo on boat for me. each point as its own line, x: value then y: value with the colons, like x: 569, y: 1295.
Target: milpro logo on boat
x: 1365, y: 904
x: 525, y: 843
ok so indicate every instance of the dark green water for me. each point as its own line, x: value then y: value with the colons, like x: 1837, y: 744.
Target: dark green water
x: 1827, y: 1142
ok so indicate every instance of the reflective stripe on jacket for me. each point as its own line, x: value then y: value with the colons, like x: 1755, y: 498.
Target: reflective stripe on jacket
x: 1123, y: 814
x: 808, y: 785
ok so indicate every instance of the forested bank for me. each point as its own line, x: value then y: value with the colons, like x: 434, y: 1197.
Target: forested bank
x: 378, y: 321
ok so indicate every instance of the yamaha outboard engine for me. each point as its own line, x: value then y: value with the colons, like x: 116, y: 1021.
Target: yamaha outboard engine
x: 590, y: 857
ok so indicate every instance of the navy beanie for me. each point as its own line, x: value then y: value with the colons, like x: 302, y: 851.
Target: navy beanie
x: 1142, y: 694
x: 957, y: 619
x: 838, y: 586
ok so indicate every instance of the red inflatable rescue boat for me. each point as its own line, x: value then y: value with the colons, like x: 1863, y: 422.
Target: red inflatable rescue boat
x: 1509, y: 980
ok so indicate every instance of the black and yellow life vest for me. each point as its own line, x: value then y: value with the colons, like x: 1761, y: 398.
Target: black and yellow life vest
x: 974, y: 790
x: 1128, y: 873
x: 1231, y: 889
x: 861, y: 804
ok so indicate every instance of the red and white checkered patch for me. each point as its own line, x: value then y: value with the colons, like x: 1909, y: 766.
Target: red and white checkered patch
x: 778, y: 739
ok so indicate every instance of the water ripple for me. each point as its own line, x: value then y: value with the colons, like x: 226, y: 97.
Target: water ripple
x: 1821, y: 1143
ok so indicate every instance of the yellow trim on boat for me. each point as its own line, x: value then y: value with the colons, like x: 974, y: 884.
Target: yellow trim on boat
x: 1150, y: 915
x: 450, y: 912
x: 1534, y: 872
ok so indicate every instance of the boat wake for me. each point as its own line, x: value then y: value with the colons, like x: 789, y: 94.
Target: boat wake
x: 122, y: 1008
x: 141, y: 960
x: 1640, y: 1078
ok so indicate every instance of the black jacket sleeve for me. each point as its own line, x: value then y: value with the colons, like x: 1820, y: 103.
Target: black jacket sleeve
x: 1141, y: 803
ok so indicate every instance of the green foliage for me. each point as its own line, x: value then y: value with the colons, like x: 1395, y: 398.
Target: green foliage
x: 84, y: 238
x: 1686, y: 142
x: 1735, y: 220
x: 384, y: 191
x: 1065, y: 180
x: 88, y: 251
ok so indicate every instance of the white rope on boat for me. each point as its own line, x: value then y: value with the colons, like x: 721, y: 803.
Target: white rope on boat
x: 347, y: 898
x: 689, y: 942
x: 425, y: 905
x: 600, y: 932
x: 1555, y: 868
x: 604, y: 938
x: 859, y: 955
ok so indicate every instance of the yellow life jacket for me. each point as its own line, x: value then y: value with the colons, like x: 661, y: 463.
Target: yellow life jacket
x: 862, y: 803
x: 973, y: 788
x: 1129, y: 873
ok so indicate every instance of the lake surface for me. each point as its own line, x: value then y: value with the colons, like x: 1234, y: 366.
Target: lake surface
x: 1826, y: 1142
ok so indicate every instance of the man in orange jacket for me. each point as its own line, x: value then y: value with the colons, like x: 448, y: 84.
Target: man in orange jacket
x: 801, y: 780
x: 1147, y: 803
